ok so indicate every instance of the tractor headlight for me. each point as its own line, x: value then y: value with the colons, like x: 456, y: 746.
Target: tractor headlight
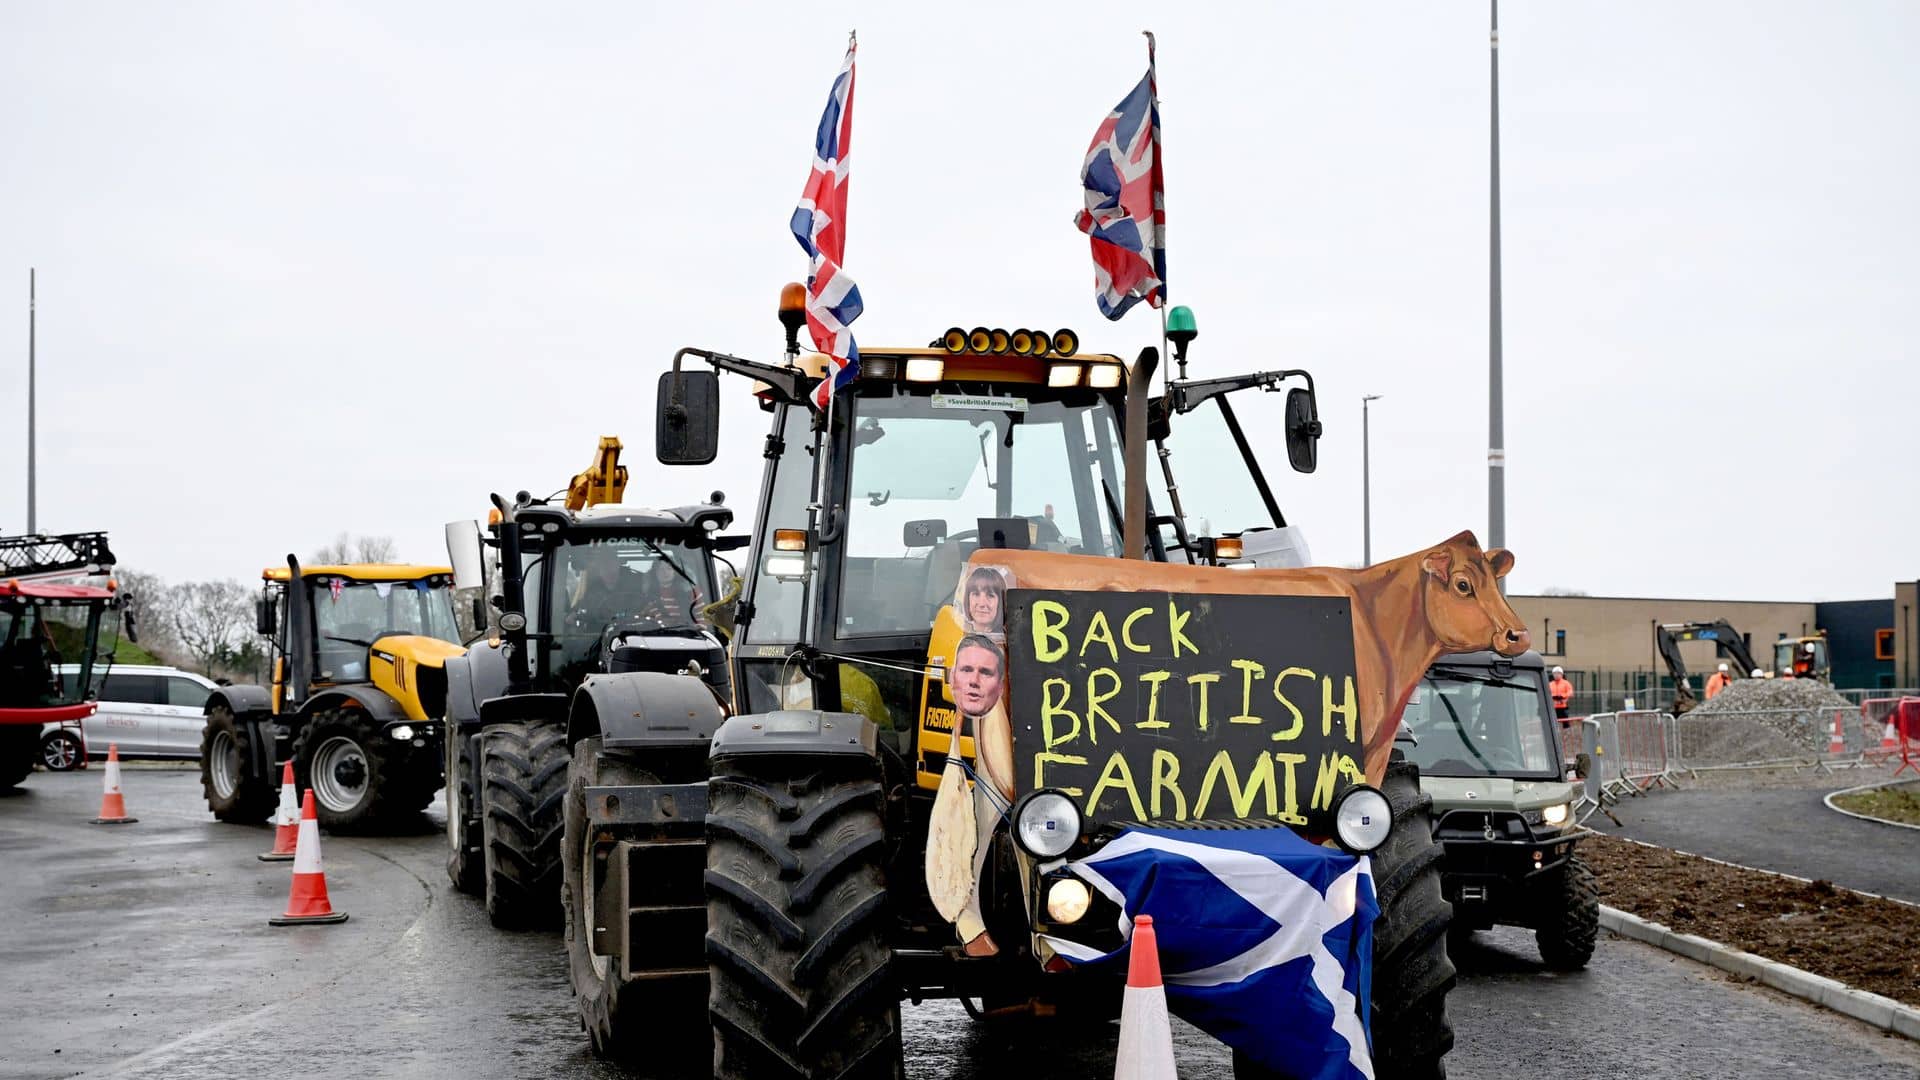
x: 513, y: 622
x: 1067, y: 900
x: 1046, y: 823
x: 1362, y: 819
x: 1556, y: 814
x: 400, y: 733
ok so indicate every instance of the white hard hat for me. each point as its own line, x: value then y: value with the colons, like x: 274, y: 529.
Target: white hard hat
x: 1723, y: 667
x: 1757, y: 673
x: 1558, y: 670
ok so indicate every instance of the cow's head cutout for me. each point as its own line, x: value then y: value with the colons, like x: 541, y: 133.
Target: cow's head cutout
x: 1464, y: 605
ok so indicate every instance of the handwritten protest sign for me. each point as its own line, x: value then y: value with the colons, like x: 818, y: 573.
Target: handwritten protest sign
x: 1167, y: 707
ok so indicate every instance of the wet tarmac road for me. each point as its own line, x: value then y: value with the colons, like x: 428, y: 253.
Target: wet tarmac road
x: 144, y: 951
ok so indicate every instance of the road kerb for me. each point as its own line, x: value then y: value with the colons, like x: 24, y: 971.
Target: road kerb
x: 1867, y: 817
x: 1881, y: 1012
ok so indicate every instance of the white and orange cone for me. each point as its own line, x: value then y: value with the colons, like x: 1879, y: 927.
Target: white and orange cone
x: 113, y: 805
x: 1146, y: 1031
x: 1889, y: 739
x: 286, y: 820
x: 308, y: 901
x: 1838, y: 743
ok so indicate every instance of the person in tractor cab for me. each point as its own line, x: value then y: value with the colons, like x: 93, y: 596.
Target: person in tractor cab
x: 607, y: 588
x: 1562, y: 692
x: 1718, y: 681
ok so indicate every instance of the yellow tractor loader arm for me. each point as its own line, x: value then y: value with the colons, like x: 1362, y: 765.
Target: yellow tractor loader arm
x: 605, y: 481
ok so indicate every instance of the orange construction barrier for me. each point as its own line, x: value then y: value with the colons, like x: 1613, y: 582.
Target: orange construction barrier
x: 113, y: 805
x: 308, y: 901
x: 1146, y: 1030
x: 286, y: 821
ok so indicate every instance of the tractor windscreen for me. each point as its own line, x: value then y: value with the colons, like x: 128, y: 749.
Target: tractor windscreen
x: 598, y: 581
x: 1476, y: 724
x: 350, y: 615
x: 36, y: 637
x: 928, y: 469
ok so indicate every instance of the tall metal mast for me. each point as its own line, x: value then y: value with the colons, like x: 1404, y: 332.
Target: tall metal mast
x: 1496, y: 439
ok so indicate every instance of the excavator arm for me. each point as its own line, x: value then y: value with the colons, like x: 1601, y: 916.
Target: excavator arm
x: 605, y: 481
x: 1668, y: 636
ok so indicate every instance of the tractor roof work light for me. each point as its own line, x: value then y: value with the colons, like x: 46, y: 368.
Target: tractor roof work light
x: 793, y: 313
x: 1181, y: 330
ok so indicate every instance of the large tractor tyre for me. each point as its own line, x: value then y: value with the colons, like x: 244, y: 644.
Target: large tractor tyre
x: 802, y: 982
x: 655, y: 1027
x: 1411, y: 969
x: 466, y: 861
x: 233, y: 792
x: 361, y: 780
x: 523, y: 780
x: 1569, y: 904
x: 19, y: 748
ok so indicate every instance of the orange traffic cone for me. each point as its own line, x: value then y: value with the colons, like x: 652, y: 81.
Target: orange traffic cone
x: 113, y: 806
x: 1889, y: 739
x: 1146, y: 1032
x: 286, y: 821
x: 308, y: 901
x: 1838, y: 743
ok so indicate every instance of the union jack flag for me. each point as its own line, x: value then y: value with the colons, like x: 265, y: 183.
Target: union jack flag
x: 1126, y: 215
x: 820, y: 224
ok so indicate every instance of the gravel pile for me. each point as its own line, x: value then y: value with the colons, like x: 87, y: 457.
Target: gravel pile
x: 1760, y: 720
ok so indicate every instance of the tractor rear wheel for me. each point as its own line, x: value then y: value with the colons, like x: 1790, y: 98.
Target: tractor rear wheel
x: 19, y: 746
x: 644, y: 1024
x: 802, y: 982
x: 1569, y: 903
x: 1412, y: 972
x: 523, y: 780
x: 233, y: 793
x: 466, y: 862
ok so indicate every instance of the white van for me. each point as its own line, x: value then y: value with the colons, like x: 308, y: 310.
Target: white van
x: 148, y: 711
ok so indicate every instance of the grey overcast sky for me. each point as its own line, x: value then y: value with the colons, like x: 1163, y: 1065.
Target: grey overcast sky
x: 307, y: 267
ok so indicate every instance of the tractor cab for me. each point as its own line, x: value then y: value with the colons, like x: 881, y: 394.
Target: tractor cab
x: 327, y: 624
x: 1802, y: 658
x: 871, y: 508
x: 58, y: 606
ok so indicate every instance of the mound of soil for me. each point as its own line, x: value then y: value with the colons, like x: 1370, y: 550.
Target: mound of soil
x: 1868, y: 943
x: 1761, y: 720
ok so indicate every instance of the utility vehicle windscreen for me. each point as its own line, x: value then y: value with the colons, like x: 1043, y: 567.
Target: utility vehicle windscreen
x: 927, y: 469
x: 1473, y: 723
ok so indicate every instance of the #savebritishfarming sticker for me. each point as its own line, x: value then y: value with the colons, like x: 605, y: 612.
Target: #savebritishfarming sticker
x: 1168, y: 707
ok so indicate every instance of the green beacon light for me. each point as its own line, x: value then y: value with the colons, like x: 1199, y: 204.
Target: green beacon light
x: 1181, y: 330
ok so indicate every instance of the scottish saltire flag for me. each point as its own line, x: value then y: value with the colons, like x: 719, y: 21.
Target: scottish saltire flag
x: 1126, y: 215
x: 820, y: 224
x: 1266, y: 940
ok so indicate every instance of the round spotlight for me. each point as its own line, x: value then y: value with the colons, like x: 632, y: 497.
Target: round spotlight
x: 1022, y: 341
x: 1067, y: 900
x: 1066, y: 342
x: 1362, y: 818
x: 1041, y: 346
x: 1046, y: 823
x: 954, y: 340
x: 1000, y: 341
x: 513, y: 621
x: 979, y: 339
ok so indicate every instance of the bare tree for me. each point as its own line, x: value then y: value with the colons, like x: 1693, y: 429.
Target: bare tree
x: 210, y: 619
x: 356, y: 549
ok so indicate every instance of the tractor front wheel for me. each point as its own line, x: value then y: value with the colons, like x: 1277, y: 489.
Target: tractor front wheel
x: 361, y: 780
x: 523, y: 780
x: 233, y: 792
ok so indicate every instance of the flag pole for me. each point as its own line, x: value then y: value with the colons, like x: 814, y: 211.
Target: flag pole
x: 1153, y: 81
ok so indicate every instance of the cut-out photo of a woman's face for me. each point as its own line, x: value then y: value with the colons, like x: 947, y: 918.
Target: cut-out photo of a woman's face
x: 982, y: 601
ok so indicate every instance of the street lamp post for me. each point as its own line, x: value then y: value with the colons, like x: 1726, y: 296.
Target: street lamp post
x: 1366, y: 483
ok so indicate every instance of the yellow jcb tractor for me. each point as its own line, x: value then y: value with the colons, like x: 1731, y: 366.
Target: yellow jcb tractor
x: 358, y: 684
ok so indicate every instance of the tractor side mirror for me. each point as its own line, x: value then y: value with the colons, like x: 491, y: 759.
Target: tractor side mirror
x: 1303, y: 430
x: 687, y: 409
x: 263, y: 617
x: 463, y: 554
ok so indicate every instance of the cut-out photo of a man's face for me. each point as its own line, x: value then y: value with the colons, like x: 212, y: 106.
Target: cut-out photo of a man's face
x: 979, y: 673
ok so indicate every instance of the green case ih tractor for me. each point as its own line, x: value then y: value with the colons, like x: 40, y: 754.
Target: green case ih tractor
x: 744, y: 873
x: 358, y: 686
x: 582, y: 591
x: 1482, y: 730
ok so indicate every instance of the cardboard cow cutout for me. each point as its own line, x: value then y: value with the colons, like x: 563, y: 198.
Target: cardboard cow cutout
x: 1152, y: 692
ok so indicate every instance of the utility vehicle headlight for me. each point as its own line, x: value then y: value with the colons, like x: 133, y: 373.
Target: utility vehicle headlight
x: 513, y: 621
x: 1362, y: 819
x: 1556, y: 814
x: 1067, y: 900
x: 401, y: 733
x: 1046, y: 823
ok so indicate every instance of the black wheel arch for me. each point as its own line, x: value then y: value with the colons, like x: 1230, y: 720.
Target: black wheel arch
x: 640, y: 709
